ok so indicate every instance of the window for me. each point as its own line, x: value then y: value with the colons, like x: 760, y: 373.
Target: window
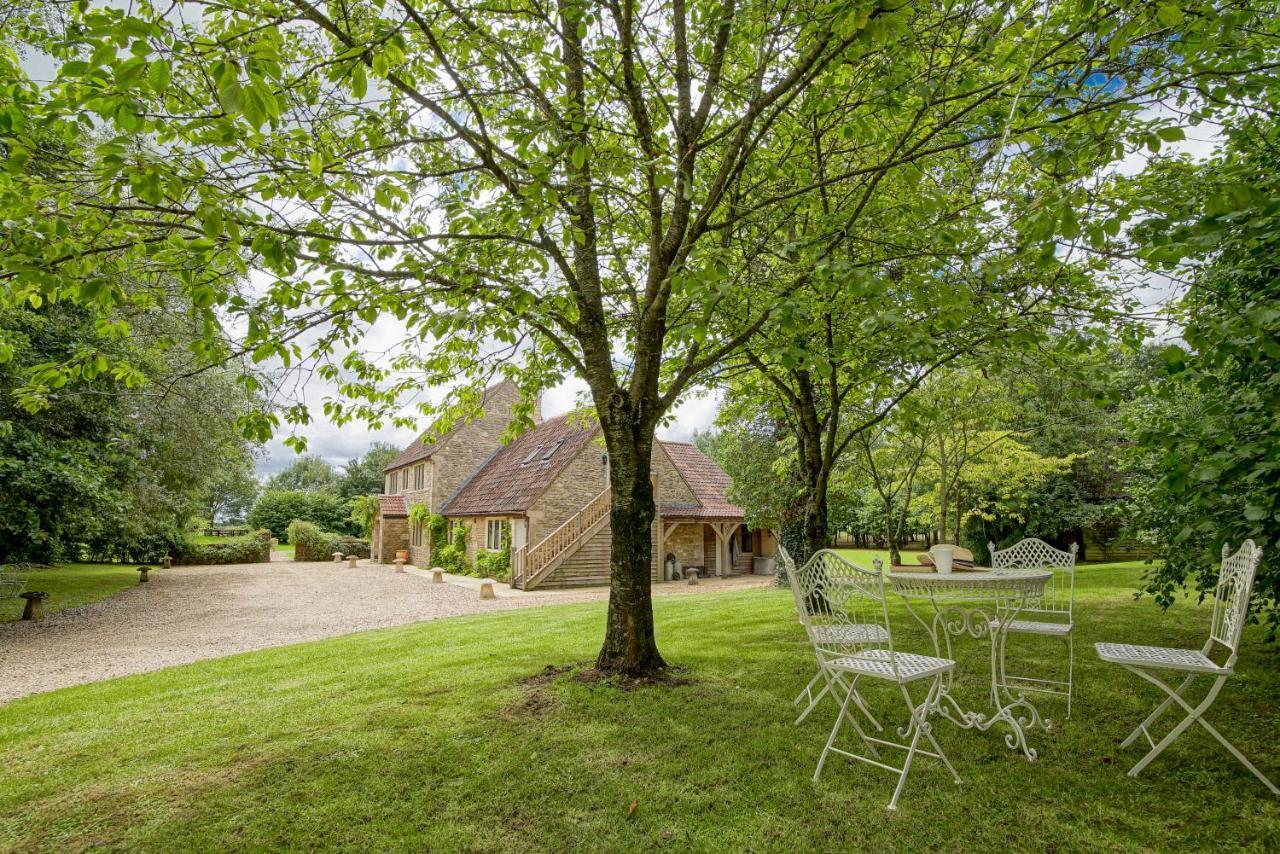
x: 395, y: 483
x: 532, y: 455
x: 420, y: 476
x: 552, y: 450
x: 415, y: 535
x: 493, y: 532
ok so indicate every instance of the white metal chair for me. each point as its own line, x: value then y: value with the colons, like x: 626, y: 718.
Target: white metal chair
x: 872, y: 633
x: 1230, y: 606
x: 1049, y: 616
x: 836, y: 600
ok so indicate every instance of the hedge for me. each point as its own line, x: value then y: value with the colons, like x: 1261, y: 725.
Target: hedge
x: 311, y: 544
x: 252, y: 548
x: 276, y: 508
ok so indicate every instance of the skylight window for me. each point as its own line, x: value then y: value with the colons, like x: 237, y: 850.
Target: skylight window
x: 552, y: 450
x: 532, y: 456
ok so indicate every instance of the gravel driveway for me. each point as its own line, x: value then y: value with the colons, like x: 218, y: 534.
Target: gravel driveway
x: 190, y: 613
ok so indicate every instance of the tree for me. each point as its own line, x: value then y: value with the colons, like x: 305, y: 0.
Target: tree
x: 276, y: 508
x: 308, y: 473
x: 232, y: 489
x: 540, y: 191
x: 365, y: 475
x: 1207, y: 432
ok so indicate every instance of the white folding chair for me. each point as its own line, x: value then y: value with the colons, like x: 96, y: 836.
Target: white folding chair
x: 836, y: 600
x: 864, y: 633
x: 1230, y: 606
x: 1049, y: 616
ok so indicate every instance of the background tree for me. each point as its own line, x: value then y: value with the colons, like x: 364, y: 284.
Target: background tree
x: 231, y: 490
x: 1207, y: 431
x: 307, y: 473
x: 366, y: 475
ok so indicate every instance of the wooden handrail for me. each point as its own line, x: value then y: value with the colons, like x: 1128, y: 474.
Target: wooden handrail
x: 529, y: 561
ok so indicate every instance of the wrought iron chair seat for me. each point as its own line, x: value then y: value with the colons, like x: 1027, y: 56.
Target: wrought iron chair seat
x: 1035, y: 627
x: 898, y: 667
x: 861, y: 633
x: 1159, y: 657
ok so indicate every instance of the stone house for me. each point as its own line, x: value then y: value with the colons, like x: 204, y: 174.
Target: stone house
x: 547, y: 490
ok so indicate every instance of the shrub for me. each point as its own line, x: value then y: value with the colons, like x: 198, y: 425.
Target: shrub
x: 311, y: 544
x: 252, y: 548
x: 276, y: 508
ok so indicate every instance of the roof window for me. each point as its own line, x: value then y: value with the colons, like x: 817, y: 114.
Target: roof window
x: 552, y: 450
x: 532, y: 456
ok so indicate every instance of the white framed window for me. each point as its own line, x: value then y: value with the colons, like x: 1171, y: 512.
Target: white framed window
x: 493, y: 530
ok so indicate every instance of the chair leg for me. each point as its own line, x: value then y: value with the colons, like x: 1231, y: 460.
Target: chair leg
x: 917, y: 719
x: 835, y: 730
x: 1159, y: 710
x: 1071, y: 669
x: 1235, y: 751
x: 808, y: 689
x: 1192, y: 716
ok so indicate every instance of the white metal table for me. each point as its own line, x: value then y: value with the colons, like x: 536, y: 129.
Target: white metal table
x: 979, y: 603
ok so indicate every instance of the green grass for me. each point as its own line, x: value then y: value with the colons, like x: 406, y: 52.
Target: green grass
x: 287, y: 548
x: 443, y: 736
x: 73, y: 584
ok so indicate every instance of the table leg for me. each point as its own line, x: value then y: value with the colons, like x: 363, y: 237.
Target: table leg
x: 953, y: 619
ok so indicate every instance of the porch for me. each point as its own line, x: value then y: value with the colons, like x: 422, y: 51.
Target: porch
x: 718, y: 547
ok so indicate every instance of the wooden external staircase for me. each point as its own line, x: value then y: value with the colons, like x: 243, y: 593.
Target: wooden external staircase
x: 531, y: 565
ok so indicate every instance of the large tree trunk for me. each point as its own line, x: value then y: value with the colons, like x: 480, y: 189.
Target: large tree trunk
x: 630, y: 647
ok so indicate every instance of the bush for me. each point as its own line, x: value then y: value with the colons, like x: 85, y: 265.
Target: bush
x: 495, y: 565
x: 252, y: 548
x: 276, y: 508
x: 311, y: 544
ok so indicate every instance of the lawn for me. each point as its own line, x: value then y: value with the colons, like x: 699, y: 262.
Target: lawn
x: 72, y: 584
x: 453, y: 735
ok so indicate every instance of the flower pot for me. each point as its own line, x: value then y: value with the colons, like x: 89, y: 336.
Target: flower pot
x: 403, y: 554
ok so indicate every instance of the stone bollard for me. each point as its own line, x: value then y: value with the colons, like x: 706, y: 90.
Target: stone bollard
x: 142, y: 574
x: 168, y: 561
x: 34, y: 609
x: 486, y: 588
x: 692, y: 575
x: 337, y: 557
x: 399, y: 562
x: 437, y: 575
x: 351, y: 561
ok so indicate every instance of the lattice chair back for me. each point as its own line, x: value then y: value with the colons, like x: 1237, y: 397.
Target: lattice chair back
x: 1032, y: 553
x: 1231, y: 597
x: 843, y: 607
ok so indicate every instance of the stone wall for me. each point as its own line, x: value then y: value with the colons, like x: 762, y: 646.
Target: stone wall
x: 395, y: 536
x: 581, y: 480
x: 686, y: 543
x: 463, y: 452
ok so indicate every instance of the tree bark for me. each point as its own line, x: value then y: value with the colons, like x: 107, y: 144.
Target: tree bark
x: 630, y: 647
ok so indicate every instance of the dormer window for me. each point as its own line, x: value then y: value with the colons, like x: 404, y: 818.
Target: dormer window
x: 532, y: 456
x: 552, y: 450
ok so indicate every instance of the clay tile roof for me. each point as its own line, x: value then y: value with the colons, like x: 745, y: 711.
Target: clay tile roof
x: 707, y: 480
x: 392, y: 505
x: 506, y: 484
